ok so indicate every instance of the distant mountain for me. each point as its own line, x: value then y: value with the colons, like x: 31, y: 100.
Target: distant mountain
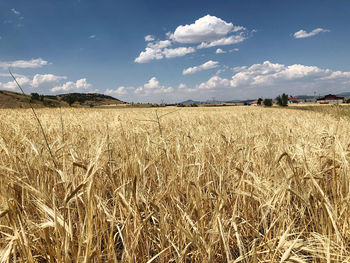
x: 305, y: 97
x: 344, y: 94
x: 10, y: 99
x: 187, y: 102
x: 234, y: 101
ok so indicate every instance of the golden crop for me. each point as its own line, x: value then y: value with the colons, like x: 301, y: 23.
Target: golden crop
x: 232, y: 184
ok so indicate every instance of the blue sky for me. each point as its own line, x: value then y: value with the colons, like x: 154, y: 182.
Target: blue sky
x: 152, y: 51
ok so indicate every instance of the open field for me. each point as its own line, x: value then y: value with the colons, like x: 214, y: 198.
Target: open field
x: 338, y: 111
x: 228, y: 184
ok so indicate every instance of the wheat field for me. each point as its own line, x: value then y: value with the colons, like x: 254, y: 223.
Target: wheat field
x: 230, y: 184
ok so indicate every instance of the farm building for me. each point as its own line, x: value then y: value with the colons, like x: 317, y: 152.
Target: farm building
x: 330, y: 99
x: 254, y: 103
x: 293, y: 100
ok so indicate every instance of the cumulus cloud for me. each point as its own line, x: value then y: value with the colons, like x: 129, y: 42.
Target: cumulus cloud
x: 39, y: 80
x: 182, y: 86
x: 207, y: 65
x: 159, y: 50
x: 337, y: 75
x: 149, y: 38
x: 92, y: 36
x: 148, y: 92
x: 80, y: 84
x: 177, y: 52
x: 271, y: 79
x: 153, y: 87
x: 304, y: 34
x: 45, y: 83
x: 148, y: 55
x: 159, y: 44
x: 214, y: 83
x: 220, y: 51
x: 269, y: 73
x: 205, y: 29
x: 15, y: 11
x: 11, y: 85
x: 33, y: 63
x: 153, y: 51
x: 223, y: 41
x: 122, y: 90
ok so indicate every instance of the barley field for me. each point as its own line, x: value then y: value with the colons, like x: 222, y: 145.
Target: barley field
x: 229, y: 184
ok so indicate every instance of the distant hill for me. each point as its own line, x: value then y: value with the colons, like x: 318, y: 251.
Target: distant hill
x: 10, y: 99
x: 186, y: 102
x: 305, y: 97
x: 344, y: 94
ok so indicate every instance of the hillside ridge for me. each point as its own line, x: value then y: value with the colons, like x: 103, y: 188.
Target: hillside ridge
x: 11, y: 99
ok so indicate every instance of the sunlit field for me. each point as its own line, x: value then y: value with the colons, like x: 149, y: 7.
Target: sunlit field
x: 228, y: 184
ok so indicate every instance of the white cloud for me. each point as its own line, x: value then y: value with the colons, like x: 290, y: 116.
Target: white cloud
x: 177, y: 52
x: 220, y: 51
x: 269, y: 73
x: 207, y: 65
x: 271, y: 79
x: 45, y: 83
x: 234, y: 50
x: 182, y: 86
x: 208, y: 30
x: 122, y: 90
x: 238, y: 69
x: 148, y: 55
x: 153, y: 51
x: 153, y: 87
x: 9, y: 76
x: 39, y: 80
x: 12, y: 85
x: 159, y: 50
x: 70, y: 85
x: 337, y: 75
x: 82, y: 84
x: 205, y: 29
x: 15, y: 11
x: 304, y: 34
x: 149, y: 38
x: 153, y: 83
x: 33, y: 63
x: 92, y: 36
x: 223, y: 41
x: 214, y: 82
x: 159, y: 44
x: 151, y: 91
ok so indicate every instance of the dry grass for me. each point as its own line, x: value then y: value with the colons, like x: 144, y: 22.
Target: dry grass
x: 241, y: 184
x: 342, y: 110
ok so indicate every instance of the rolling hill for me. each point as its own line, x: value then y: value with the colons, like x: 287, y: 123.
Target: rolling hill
x: 10, y: 99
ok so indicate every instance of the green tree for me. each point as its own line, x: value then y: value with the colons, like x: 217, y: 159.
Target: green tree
x: 267, y: 102
x: 260, y: 100
x: 70, y: 100
x: 282, y: 100
x: 35, y: 96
